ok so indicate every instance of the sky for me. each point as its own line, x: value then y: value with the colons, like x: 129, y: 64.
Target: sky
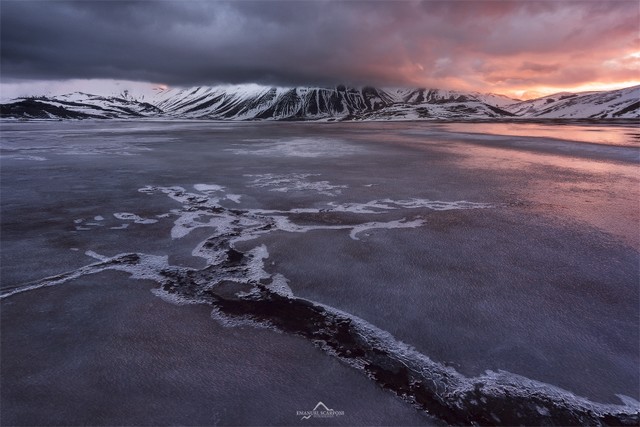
x: 520, y: 48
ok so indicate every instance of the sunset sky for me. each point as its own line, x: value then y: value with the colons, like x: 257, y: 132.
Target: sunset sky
x: 519, y: 48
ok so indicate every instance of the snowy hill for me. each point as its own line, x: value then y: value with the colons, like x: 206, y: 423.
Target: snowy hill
x: 622, y: 103
x: 254, y: 102
x: 78, y: 105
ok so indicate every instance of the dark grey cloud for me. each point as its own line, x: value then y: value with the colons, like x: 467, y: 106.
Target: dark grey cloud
x: 307, y: 42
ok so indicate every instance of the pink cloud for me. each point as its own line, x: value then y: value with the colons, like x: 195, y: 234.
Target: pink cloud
x: 498, y: 46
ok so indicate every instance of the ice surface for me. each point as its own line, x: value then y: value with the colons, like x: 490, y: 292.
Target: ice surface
x: 442, y: 252
x: 297, y: 147
x: 126, y: 216
x: 294, y: 182
x: 207, y: 188
x: 401, y: 223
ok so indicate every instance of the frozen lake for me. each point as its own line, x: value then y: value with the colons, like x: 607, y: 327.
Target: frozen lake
x: 204, y: 273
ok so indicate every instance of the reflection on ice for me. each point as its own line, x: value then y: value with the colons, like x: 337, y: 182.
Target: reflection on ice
x: 608, y: 135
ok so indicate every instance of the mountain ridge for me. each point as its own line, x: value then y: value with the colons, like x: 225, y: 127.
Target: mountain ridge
x: 255, y: 102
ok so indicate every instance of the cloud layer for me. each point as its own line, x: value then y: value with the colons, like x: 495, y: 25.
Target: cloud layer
x: 495, y: 45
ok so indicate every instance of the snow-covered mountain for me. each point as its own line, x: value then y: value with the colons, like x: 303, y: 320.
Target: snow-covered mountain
x: 367, y: 103
x: 260, y: 102
x: 254, y: 102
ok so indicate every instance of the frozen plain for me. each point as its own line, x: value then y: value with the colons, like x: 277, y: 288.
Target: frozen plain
x: 482, y: 247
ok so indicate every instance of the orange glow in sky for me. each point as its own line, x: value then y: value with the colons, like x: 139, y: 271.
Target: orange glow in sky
x: 537, y: 92
x: 626, y: 66
x: 533, y: 74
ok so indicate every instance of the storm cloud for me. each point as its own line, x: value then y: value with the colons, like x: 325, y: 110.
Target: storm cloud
x: 482, y: 45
